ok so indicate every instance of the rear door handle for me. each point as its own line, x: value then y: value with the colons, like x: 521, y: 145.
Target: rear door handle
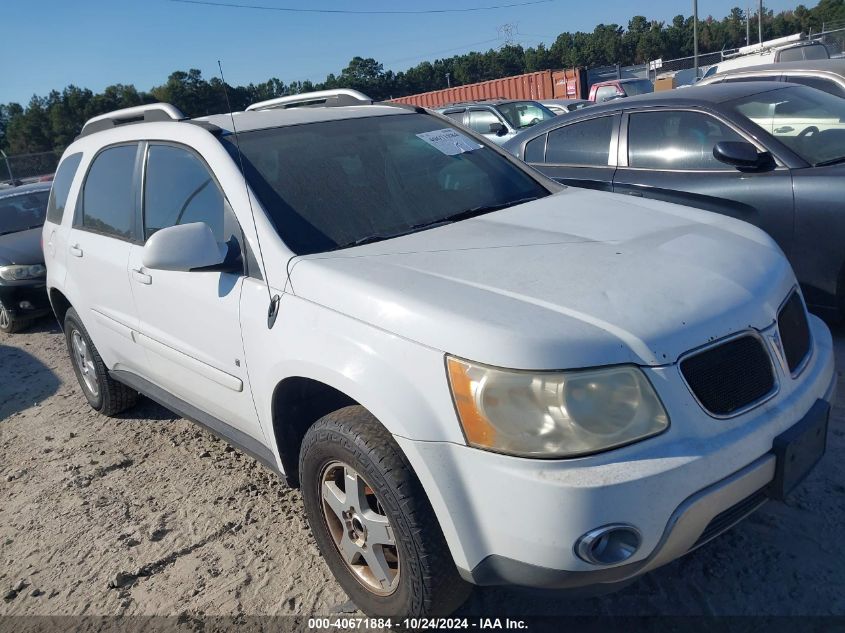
x: 76, y: 251
x: 638, y: 194
x: 784, y: 129
x: 141, y: 277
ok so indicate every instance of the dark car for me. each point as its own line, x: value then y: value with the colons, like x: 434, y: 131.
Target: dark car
x: 768, y: 153
x: 22, y: 273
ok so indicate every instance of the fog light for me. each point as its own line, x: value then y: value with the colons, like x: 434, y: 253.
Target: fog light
x: 25, y: 305
x: 609, y: 545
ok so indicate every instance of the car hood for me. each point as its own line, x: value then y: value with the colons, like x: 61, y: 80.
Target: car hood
x: 23, y: 247
x: 576, y: 279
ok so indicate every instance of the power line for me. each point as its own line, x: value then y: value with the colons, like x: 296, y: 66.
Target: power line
x: 348, y: 11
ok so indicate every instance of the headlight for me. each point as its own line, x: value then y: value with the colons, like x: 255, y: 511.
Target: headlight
x: 554, y: 414
x: 15, y: 273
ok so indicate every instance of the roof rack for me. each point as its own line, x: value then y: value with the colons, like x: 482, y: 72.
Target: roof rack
x: 136, y: 114
x: 320, y: 98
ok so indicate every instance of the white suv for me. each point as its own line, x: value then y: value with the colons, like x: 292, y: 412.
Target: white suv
x: 475, y: 375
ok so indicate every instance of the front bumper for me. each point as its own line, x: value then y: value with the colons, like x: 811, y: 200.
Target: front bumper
x: 25, y: 299
x: 512, y: 520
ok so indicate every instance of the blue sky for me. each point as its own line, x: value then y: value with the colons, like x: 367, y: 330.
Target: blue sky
x: 93, y: 44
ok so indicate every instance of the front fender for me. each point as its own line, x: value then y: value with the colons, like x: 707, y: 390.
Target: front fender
x: 402, y: 383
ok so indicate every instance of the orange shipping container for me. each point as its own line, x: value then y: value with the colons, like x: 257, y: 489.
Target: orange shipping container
x: 539, y: 85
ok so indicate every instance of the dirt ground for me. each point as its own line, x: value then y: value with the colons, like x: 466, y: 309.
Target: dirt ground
x: 149, y: 514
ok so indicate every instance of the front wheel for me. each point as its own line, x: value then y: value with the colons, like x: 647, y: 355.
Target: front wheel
x: 9, y: 323
x: 372, y: 520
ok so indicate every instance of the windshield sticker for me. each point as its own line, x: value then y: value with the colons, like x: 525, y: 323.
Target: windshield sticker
x: 449, y: 141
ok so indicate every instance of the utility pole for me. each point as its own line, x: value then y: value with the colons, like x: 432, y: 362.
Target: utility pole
x: 760, y: 21
x: 8, y: 166
x: 448, y: 83
x: 747, y: 25
x: 695, y: 34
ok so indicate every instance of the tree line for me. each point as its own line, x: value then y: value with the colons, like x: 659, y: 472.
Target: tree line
x: 50, y: 123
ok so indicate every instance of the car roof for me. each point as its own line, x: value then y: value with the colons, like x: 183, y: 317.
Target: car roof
x: 283, y: 117
x: 24, y: 189
x: 830, y: 65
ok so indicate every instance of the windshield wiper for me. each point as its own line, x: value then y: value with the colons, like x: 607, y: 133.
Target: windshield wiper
x: 832, y: 161
x: 471, y: 213
x: 449, y: 219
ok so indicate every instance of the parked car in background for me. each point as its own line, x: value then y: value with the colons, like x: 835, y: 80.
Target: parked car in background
x: 823, y: 74
x: 23, y: 295
x: 778, y: 51
x: 562, y: 106
x: 474, y: 374
x: 619, y: 88
x: 771, y: 154
x: 497, y: 120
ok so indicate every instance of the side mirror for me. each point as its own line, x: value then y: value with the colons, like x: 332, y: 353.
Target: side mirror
x: 498, y: 129
x: 183, y: 247
x: 742, y: 155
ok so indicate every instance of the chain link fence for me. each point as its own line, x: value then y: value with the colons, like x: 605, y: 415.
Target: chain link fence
x: 28, y: 167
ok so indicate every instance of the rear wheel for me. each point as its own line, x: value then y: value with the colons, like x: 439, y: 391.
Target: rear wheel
x: 372, y: 520
x: 103, y: 393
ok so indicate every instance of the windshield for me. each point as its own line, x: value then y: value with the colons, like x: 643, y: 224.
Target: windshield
x: 639, y: 87
x: 810, y: 122
x: 23, y: 211
x: 333, y: 184
x: 523, y: 114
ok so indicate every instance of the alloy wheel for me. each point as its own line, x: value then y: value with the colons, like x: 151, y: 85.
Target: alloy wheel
x: 84, y: 362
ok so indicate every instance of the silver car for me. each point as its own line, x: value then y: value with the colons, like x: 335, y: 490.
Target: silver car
x: 498, y: 120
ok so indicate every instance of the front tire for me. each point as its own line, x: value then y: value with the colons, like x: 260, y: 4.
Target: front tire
x: 372, y: 520
x: 9, y: 323
x: 103, y: 393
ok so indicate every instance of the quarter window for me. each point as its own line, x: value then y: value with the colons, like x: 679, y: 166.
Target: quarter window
x: 180, y: 190
x: 108, y: 204
x: 586, y: 143
x: 676, y: 140
x: 61, y: 187
x: 535, y: 150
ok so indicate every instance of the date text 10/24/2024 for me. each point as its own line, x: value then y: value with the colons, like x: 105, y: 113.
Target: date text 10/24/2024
x: 417, y: 624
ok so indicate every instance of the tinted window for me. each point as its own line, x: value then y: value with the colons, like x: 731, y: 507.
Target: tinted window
x: 180, y: 190
x: 816, y: 52
x: 22, y: 211
x: 108, y: 201
x: 61, y: 187
x: 481, y: 120
x: 826, y: 85
x: 810, y: 122
x: 675, y: 140
x: 329, y: 185
x: 535, y: 150
x: 583, y: 143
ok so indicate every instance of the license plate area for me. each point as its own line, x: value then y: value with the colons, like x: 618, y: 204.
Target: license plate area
x: 798, y: 449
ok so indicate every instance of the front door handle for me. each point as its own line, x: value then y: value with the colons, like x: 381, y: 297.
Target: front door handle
x: 141, y: 277
x: 76, y: 251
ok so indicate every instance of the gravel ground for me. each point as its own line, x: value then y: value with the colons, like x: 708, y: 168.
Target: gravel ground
x: 148, y: 514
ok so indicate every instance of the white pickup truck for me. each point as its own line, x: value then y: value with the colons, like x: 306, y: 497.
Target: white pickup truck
x: 475, y: 375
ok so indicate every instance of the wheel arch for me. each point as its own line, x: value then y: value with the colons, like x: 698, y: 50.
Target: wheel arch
x: 60, y: 305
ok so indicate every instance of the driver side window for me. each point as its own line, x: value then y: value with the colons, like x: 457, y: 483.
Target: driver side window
x: 179, y: 190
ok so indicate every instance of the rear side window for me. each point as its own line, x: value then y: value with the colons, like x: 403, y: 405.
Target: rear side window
x: 586, y: 143
x: 180, y: 190
x: 61, y: 187
x: 108, y: 202
x: 535, y: 150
